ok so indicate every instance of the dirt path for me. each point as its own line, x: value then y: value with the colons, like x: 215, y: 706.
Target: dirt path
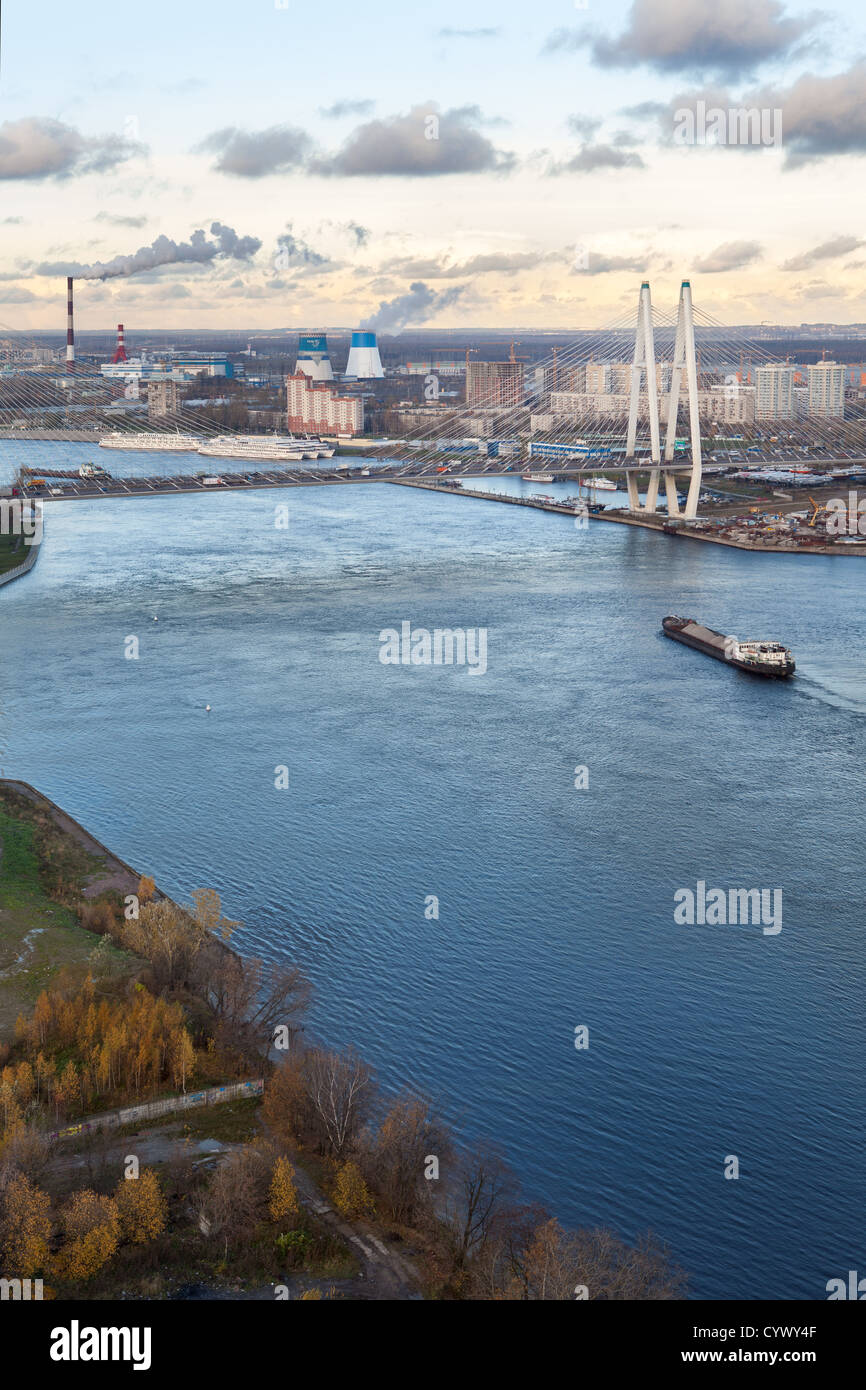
x: 385, y: 1275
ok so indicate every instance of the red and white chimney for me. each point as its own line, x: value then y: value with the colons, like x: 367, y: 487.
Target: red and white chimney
x: 120, y: 350
x: 70, y: 329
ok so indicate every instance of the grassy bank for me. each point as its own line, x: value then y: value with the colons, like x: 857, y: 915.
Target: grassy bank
x: 39, y: 935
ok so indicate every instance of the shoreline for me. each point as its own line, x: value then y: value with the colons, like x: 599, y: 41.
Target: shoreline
x: 681, y: 533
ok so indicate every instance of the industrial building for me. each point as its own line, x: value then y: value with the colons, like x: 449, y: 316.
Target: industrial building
x: 313, y: 357
x: 364, y: 360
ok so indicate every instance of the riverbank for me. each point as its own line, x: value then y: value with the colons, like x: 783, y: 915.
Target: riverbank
x: 659, y: 522
x: 12, y: 565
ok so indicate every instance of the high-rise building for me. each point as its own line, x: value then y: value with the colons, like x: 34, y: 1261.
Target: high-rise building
x: 827, y: 389
x: 774, y: 391
x: 598, y: 379
x: 494, y: 385
x: 313, y: 359
x: 730, y: 405
x: 163, y: 398
x: 318, y: 408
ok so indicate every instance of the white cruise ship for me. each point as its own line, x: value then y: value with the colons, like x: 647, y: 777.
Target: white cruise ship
x: 265, y: 448
x: 164, y: 443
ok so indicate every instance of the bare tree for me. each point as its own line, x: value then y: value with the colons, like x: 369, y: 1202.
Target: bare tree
x: 250, y: 1001
x: 235, y: 1198
x: 485, y: 1185
x: 340, y: 1088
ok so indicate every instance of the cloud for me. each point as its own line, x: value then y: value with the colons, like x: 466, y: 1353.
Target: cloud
x: 16, y: 294
x: 827, y: 250
x: 729, y: 37
x: 609, y: 265
x: 360, y: 234
x: 469, y: 33
x: 424, y: 143
x: 821, y: 116
x: 485, y: 263
x: 295, y: 252
x: 161, y: 252
x: 418, y: 306
x: 347, y: 108
x: 731, y: 255
x: 591, y: 158
x: 116, y: 220
x: 583, y: 126
x: 256, y: 154
x: 37, y: 147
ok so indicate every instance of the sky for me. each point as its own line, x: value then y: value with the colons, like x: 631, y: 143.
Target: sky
x: 276, y: 164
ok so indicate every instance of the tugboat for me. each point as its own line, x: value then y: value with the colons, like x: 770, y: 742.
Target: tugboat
x: 759, y: 658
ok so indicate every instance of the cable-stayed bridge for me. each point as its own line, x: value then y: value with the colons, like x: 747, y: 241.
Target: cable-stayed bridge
x: 663, y: 396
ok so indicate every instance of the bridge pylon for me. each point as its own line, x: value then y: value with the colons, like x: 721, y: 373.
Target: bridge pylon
x: 685, y: 358
x: 644, y: 363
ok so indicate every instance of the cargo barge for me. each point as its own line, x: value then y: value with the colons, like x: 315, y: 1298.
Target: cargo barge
x: 759, y: 658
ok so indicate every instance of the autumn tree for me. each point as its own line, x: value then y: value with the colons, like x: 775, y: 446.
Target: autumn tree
x: 283, y: 1193
x: 141, y: 1207
x: 145, y: 891
x: 351, y: 1194
x: 208, y: 913
x: 286, y: 1107
x: 92, y: 1231
x: 235, y: 1198
x: 396, y: 1161
x: 25, y: 1226
x: 169, y: 938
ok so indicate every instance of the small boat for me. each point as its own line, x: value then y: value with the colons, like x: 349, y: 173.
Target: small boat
x: 601, y: 484
x: 537, y: 477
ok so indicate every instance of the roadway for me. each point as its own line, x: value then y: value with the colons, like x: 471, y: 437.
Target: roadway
x: 63, y: 487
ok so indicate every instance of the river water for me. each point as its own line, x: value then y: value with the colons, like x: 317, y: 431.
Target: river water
x: 556, y: 904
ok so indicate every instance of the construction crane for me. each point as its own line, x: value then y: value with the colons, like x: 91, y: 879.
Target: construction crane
x: 818, y: 508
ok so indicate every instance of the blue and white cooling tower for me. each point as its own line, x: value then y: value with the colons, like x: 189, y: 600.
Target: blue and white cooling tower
x: 313, y: 359
x: 364, y: 360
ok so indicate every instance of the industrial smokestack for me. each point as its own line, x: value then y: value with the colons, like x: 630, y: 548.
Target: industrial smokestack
x: 120, y: 350
x: 70, y: 330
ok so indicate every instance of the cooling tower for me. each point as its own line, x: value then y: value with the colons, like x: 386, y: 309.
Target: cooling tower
x: 364, y: 360
x: 313, y: 359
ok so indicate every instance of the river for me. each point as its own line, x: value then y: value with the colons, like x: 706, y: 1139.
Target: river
x: 556, y: 904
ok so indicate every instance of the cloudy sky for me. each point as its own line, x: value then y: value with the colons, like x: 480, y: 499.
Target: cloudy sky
x: 273, y: 163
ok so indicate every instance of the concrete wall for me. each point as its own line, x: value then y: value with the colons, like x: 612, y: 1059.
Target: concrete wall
x: 134, y: 1114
